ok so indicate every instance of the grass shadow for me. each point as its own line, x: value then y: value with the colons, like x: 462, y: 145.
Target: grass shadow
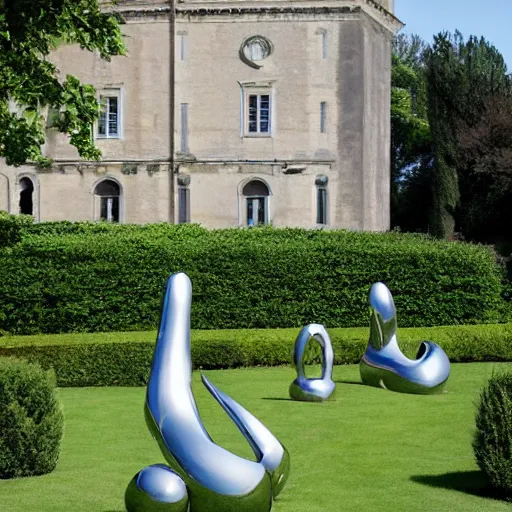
x: 468, y: 482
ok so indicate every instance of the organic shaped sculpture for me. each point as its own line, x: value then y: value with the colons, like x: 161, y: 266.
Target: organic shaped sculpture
x: 216, y: 479
x: 313, y: 390
x: 384, y: 365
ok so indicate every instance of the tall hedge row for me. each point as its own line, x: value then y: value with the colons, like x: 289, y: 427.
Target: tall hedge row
x: 81, y: 277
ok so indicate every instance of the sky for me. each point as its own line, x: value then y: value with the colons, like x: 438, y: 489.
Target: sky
x: 489, y: 18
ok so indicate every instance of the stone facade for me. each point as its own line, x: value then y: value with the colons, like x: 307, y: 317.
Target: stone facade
x: 230, y: 113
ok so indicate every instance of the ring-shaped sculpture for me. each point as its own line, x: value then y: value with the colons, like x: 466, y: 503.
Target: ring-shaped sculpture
x: 384, y: 365
x: 212, y: 478
x: 307, y: 389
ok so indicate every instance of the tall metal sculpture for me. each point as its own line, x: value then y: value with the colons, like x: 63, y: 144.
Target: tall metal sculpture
x: 204, y: 477
x: 384, y: 365
x: 313, y: 390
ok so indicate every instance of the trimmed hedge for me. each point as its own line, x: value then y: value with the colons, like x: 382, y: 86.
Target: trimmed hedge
x: 83, y: 360
x: 12, y: 228
x: 31, y: 420
x: 66, y: 277
x: 492, y: 442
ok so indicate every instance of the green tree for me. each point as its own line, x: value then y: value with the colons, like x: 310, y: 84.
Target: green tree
x: 410, y: 50
x: 411, y: 151
x: 461, y: 76
x: 29, y: 82
x: 486, y: 176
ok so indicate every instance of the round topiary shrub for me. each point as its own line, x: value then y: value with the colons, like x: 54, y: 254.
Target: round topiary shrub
x: 492, y: 443
x: 31, y: 419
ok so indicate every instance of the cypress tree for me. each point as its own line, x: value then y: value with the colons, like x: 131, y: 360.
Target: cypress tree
x: 461, y: 76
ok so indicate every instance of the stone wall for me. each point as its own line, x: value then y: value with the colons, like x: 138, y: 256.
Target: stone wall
x: 336, y: 52
x: 217, y: 201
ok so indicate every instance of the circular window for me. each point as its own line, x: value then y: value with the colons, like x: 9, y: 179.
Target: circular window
x: 254, y: 49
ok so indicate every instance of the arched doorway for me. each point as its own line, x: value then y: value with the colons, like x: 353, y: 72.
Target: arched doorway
x: 109, y: 193
x: 256, y: 202
x: 26, y: 196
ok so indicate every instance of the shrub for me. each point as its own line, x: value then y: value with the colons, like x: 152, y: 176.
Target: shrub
x: 12, y: 228
x: 31, y: 420
x: 112, y: 278
x: 124, y: 359
x: 492, y: 443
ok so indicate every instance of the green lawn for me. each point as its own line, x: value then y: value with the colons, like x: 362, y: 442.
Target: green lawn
x: 368, y: 450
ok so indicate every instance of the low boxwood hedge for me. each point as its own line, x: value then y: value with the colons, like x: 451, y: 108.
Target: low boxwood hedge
x: 124, y: 359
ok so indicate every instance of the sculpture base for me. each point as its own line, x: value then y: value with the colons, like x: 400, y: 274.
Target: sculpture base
x: 386, y: 379
x: 312, y: 390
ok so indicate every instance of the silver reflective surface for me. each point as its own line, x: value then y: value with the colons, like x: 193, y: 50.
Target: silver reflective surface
x: 156, y: 488
x: 268, y: 450
x: 216, y: 479
x: 384, y: 365
x: 313, y: 390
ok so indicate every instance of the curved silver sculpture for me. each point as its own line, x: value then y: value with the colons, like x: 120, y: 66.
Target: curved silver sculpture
x: 216, y: 479
x: 384, y: 365
x: 313, y: 390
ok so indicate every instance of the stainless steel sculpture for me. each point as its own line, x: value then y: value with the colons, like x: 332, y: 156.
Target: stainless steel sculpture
x: 216, y: 479
x: 384, y: 365
x: 313, y: 390
x: 156, y: 488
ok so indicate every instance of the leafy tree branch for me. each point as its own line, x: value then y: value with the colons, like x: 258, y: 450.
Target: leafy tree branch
x: 29, y: 83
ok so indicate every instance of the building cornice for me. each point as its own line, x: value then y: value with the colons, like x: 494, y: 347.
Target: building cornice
x: 376, y: 11
x: 223, y: 9
x: 280, y: 162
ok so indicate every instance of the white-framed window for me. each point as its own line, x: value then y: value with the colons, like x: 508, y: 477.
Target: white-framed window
x: 256, y: 194
x: 323, y: 116
x: 109, y: 122
x: 257, y: 116
x: 108, y: 194
x: 183, y: 205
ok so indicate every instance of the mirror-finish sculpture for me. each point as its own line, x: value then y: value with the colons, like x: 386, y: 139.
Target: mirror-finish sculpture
x: 384, y: 365
x: 157, y: 488
x: 216, y: 479
x: 313, y: 390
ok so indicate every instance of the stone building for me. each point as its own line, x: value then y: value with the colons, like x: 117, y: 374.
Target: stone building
x: 229, y: 113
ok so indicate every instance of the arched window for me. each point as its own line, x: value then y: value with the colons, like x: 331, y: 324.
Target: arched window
x: 26, y: 196
x: 321, y: 183
x: 109, y: 194
x: 256, y: 199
